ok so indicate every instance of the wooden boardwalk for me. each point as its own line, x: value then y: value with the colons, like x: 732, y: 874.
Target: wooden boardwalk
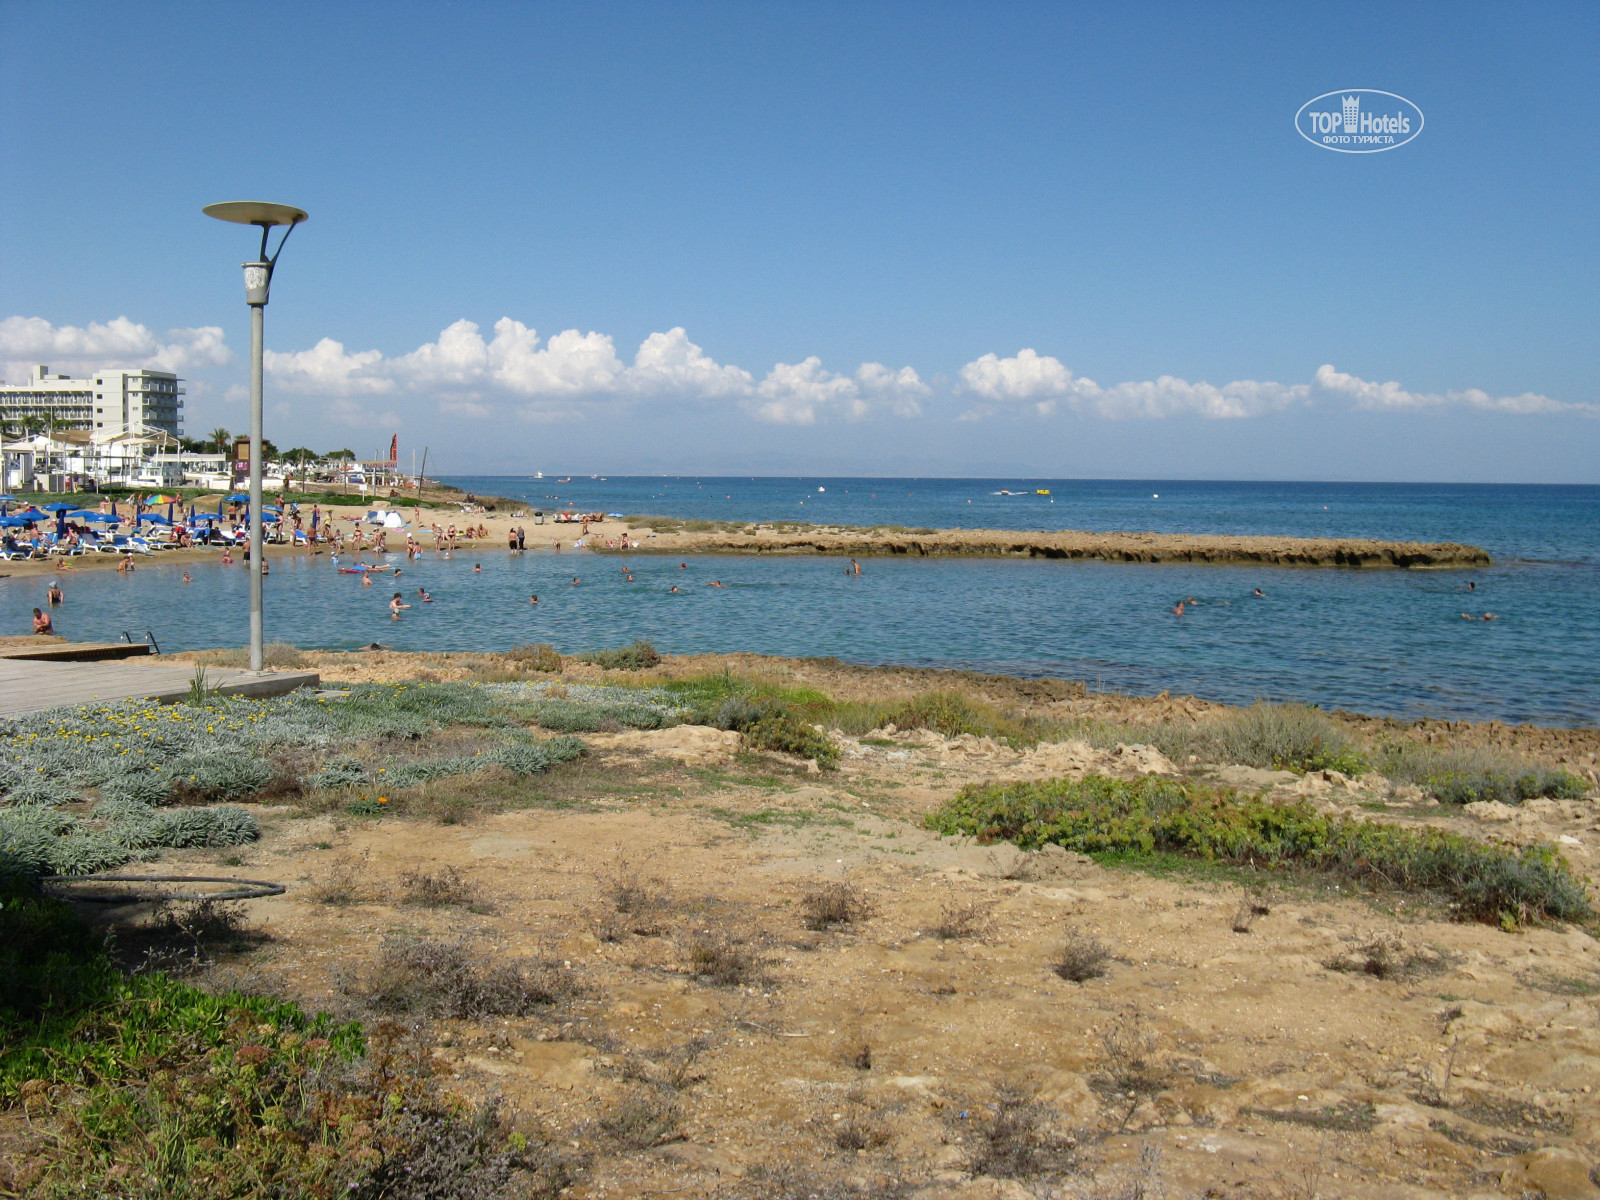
x: 55, y: 650
x: 28, y: 685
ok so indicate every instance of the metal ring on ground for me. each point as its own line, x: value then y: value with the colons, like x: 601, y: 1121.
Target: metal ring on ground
x: 250, y: 889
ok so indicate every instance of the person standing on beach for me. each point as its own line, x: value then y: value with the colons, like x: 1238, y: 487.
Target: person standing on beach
x: 522, y: 538
x: 511, y: 540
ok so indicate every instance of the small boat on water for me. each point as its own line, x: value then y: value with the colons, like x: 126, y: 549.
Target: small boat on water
x: 1041, y: 491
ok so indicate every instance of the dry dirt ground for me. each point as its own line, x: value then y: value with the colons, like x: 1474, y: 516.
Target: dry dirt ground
x: 1293, y: 1043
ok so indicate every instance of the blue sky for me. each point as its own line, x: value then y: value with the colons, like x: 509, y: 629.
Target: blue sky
x: 834, y: 230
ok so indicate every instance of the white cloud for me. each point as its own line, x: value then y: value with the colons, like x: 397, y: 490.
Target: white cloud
x: 571, y: 373
x: 326, y: 370
x: 1391, y: 397
x: 671, y: 362
x: 902, y: 391
x: 79, y: 351
x: 1043, y: 383
x: 799, y: 393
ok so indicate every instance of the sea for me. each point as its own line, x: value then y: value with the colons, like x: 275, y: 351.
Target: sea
x: 1375, y: 641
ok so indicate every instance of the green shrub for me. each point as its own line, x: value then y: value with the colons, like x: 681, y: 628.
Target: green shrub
x: 164, y: 1091
x: 1464, y: 788
x: 540, y: 657
x: 1099, y: 814
x: 637, y: 656
x: 136, y: 787
x: 1463, y: 775
x: 219, y: 775
x: 783, y: 731
x: 340, y: 772
x: 1283, y: 737
x: 948, y: 713
x: 575, y: 716
x: 534, y: 758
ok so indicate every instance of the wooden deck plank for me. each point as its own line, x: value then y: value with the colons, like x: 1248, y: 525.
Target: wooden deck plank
x: 28, y: 685
x: 43, y: 651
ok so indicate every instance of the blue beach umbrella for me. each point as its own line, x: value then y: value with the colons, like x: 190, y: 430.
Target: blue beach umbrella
x: 238, y: 498
x: 155, y: 519
x: 60, y: 506
x: 13, y: 522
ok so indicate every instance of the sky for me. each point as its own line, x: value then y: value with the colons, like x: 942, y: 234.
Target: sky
x: 877, y: 239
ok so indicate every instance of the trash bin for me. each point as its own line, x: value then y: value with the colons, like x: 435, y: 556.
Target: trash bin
x: 538, y: 517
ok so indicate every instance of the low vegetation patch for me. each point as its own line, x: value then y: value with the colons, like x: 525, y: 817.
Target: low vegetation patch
x: 541, y: 656
x: 1082, y: 958
x: 717, y: 959
x: 145, y: 1086
x: 1466, y: 775
x: 636, y: 656
x: 832, y: 904
x: 456, y: 979
x: 1100, y: 815
x: 447, y: 887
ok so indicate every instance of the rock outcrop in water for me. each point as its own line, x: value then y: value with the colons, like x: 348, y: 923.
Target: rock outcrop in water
x: 1213, y: 549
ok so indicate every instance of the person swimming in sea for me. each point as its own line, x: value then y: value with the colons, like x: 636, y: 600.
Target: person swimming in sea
x: 396, y: 606
x: 422, y: 594
x: 1259, y: 592
x: 574, y: 581
x: 716, y: 583
x: 533, y: 599
x: 366, y: 579
x: 477, y: 568
x: 1177, y: 609
x: 673, y: 588
x: 55, y: 595
x: 186, y: 578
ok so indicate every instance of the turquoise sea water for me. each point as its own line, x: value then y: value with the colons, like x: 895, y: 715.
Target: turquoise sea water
x: 1374, y: 641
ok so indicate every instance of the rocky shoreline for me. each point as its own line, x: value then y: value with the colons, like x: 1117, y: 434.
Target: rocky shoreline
x: 1208, y: 549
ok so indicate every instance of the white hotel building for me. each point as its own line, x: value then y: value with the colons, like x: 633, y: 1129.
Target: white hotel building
x: 110, y: 402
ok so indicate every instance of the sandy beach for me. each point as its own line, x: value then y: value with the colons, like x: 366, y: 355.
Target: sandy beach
x: 670, y: 536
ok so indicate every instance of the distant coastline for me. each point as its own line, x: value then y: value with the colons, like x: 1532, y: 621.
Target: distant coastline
x: 782, y: 537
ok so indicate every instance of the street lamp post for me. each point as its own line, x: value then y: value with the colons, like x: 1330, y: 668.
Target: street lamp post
x: 257, y: 285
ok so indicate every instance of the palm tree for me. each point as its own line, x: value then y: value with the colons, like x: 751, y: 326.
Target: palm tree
x: 219, y: 440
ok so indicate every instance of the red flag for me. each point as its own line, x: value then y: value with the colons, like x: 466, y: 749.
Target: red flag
x: 394, y: 448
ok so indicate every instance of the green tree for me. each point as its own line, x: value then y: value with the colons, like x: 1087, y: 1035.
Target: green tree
x: 220, y: 440
x: 340, y: 454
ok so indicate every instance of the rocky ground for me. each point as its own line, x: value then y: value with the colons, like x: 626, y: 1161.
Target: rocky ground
x: 723, y: 1037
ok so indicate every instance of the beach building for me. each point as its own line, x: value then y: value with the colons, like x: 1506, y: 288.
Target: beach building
x: 113, y: 400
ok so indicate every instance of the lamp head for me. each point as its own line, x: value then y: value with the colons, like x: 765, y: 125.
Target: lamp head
x: 258, y: 274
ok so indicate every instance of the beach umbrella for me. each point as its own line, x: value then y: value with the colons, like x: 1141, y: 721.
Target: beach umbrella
x: 60, y: 506
x: 101, y: 518
x: 13, y: 522
x: 5, y: 502
x: 238, y: 498
x: 161, y: 498
x: 155, y: 519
